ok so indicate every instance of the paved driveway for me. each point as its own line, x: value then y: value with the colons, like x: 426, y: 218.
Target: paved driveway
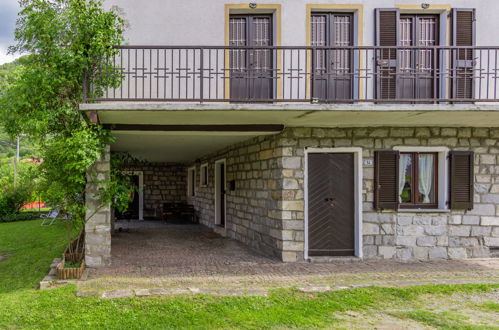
x: 153, y: 248
x: 171, y: 259
x: 168, y: 253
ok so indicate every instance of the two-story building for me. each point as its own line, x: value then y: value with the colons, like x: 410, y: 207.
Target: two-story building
x: 309, y: 129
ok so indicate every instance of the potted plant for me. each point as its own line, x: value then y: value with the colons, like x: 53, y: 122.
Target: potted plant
x: 73, y: 260
x: 70, y: 269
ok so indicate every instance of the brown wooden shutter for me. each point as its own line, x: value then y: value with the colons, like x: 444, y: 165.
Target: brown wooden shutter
x: 386, y: 182
x: 463, y: 34
x: 461, y: 180
x: 387, y: 34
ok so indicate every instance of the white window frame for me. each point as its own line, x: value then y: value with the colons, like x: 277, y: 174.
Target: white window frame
x: 203, y: 175
x: 191, y: 177
x: 443, y: 175
x: 358, y: 179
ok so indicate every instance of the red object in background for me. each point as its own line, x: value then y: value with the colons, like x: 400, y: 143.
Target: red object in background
x: 33, y: 205
x: 36, y: 161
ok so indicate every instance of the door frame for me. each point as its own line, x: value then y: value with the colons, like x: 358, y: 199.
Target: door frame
x: 140, y: 174
x: 218, y: 191
x: 358, y: 177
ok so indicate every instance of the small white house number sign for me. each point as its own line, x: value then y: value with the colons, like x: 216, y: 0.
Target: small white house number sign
x: 368, y: 162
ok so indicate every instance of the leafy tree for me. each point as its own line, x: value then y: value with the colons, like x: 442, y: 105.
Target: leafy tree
x: 7, y: 143
x: 64, y: 40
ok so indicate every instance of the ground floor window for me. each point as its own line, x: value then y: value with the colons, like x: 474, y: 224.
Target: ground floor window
x: 423, y: 178
x: 418, y: 180
x: 204, y: 175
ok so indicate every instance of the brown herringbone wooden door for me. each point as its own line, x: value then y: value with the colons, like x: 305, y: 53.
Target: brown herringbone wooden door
x: 331, y: 204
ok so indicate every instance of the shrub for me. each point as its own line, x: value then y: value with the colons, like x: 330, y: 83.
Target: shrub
x: 12, y: 198
x: 23, y: 216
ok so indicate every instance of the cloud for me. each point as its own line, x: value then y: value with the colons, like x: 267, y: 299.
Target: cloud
x: 8, y: 15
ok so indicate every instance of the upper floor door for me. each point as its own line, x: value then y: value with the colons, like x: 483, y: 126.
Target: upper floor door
x: 427, y: 72
x: 418, y: 68
x: 251, y: 70
x: 332, y: 68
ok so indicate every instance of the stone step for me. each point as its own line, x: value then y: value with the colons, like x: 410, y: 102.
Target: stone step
x: 334, y: 260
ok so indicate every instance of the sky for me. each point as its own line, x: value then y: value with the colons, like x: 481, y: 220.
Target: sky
x: 8, y: 15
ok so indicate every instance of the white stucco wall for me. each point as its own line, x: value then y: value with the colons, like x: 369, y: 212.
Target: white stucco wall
x: 201, y: 22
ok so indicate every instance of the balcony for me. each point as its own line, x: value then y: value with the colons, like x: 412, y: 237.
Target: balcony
x: 314, y: 75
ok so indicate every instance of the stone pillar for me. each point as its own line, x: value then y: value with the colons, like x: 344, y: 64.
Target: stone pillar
x: 98, y: 226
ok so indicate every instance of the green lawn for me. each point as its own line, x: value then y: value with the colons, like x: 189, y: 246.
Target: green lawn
x: 30, y: 249
x: 43, y: 209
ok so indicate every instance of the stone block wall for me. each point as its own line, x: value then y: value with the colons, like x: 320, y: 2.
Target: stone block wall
x: 163, y: 182
x: 402, y: 235
x: 98, y: 227
x: 266, y: 209
x: 254, y: 208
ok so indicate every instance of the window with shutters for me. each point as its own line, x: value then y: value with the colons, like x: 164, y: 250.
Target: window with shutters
x: 423, y: 178
x: 405, y: 73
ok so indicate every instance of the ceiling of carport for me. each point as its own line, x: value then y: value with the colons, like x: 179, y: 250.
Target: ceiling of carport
x: 178, y: 147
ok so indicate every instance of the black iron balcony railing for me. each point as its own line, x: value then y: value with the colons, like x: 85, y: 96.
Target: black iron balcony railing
x: 297, y: 74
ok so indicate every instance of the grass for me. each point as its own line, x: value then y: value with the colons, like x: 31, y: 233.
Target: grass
x: 491, y: 306
x: 283, y: 308
x: 440, y: 320
x: 30, y: 249
x: 42, y: 209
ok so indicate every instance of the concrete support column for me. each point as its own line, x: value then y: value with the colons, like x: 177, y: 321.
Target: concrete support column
x: 98, y: 226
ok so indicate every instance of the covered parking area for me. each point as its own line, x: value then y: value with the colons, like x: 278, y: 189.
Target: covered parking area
x: 168, y: 173
x: 156, y: 248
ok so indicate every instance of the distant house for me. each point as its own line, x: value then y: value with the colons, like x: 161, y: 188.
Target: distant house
x: 36, y: 161
x: 312, y: 129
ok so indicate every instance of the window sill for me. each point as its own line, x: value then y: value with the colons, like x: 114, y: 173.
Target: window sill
x: 423, y: 211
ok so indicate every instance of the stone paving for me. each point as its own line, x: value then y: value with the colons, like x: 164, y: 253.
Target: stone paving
x: 153, y: 258
x: 156, y: 248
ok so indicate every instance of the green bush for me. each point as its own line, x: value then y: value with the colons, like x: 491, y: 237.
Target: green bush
x: 12, y: 198
x: 23, y: 216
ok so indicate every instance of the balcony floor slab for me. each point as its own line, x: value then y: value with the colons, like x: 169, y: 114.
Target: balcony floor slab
x: 298, y: 115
